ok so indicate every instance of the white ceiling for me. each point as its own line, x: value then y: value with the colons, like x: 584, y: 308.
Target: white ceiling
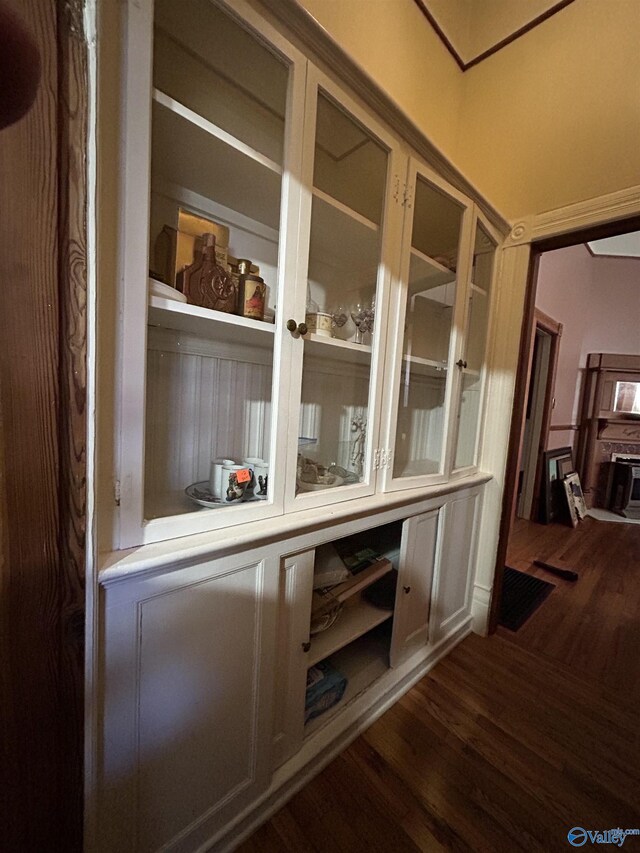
x: 623, y: 246
x: 474, y: 27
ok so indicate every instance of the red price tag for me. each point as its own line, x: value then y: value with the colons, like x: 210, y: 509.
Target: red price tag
x: 243, y: 476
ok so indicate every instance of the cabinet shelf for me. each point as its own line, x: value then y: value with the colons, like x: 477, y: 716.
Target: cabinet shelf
x: 344, y: 248
x: 426, y: 366
x: 353, y: 622
x: 431, y: 280
x: 169, y: 314
x: 213, y: 130
x: 195, y: 154
x: 317, y: 346
x: 345, y: 209
x: 480, y: 290
x: 362, y: 663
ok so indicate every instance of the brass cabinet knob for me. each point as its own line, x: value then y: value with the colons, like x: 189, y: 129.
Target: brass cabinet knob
x: 300, y: 328
x: 407, y: 589
x: 306, y: 647
x: 461, y: 364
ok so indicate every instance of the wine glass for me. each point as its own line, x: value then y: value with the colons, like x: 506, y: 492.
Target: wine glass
x: 357, y: 315
x: 362, y: 316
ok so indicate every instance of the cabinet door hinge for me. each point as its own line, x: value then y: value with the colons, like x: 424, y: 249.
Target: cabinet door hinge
x: 396, y: 188
x: 407, y: 199
x: 116, y: 492
x: 385, y: 458
x: 376, y: 459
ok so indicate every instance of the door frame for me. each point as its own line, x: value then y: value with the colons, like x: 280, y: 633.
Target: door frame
x: 553, y: 330
x: 43, y: 440
x: 560, y: 229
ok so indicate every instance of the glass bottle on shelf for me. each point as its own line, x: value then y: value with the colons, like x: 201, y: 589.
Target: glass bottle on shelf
x: 206, y: 284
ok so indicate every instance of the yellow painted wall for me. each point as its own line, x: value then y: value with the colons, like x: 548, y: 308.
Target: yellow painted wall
x: 392, y: 41
x: 551, y: 119
x: 554, y: 118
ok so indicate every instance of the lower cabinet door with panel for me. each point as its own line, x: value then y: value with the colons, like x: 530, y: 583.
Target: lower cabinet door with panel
x: 413, y: 592
x: 187, y: 680
x: 451, y: 598
x: 293, y: 644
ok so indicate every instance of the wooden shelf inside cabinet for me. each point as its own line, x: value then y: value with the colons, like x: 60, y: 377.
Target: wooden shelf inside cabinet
x: 362, y: 663
x: 317, y: 346
x: 342, y: 240
x: 342, y: 591
x: 468, y: 371
x: 425, y: 366
x: 430, y: 279
x: 215, y: 325
x: 479, y: 290
x: 353, y: 622
x: 193, y: 153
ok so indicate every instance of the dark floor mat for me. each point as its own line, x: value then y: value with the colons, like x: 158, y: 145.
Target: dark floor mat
x: 522, y: 594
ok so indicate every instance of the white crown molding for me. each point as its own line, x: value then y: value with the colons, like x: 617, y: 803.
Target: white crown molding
x: 622, y: 204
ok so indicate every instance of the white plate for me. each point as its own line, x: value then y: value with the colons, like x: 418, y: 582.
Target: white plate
x: 199, y: 493
x: 159, y: 288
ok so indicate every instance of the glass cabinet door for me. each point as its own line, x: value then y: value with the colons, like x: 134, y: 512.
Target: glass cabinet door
x: 475, y: 342
x: 427, y: 320
x: 343, y: 305
x: 221, y: 170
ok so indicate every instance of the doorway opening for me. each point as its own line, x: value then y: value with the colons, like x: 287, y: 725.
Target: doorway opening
x: 544, y: 349
x: 542, y: 379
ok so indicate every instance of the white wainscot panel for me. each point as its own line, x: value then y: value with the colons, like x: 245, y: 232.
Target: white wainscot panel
x: 195, y: 395
x: 332, y: 397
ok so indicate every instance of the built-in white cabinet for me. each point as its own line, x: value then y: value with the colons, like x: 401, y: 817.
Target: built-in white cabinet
x: 362, y: 370
x: 340, y: 401
x: 206, y: 668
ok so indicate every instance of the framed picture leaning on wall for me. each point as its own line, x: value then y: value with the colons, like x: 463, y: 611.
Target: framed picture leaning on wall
x: 575, y: 498
x: 558, y: 464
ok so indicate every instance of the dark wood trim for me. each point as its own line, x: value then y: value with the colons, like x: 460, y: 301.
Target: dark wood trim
x: 525, y: 28
x: 73, y: 114
x: 595, y: 232
x: 303, y: 29
x: 547, y: 323
x: 563, y: 427
x: 515, y: 439
x: 518, y: 33
x: 553, y: 329
x: 42, y: 453
x: 441, y: 34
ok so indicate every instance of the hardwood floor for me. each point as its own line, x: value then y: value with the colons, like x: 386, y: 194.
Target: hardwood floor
x: 510, y: 741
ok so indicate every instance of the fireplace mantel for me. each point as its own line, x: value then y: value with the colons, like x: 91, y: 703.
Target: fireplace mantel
x: 604, y: 431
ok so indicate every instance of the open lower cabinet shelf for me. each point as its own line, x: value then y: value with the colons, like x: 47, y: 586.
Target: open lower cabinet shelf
x: 354, y: 621
x: 362, y: 662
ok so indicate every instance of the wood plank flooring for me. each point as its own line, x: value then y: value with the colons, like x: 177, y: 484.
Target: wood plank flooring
x: 511, y: 740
